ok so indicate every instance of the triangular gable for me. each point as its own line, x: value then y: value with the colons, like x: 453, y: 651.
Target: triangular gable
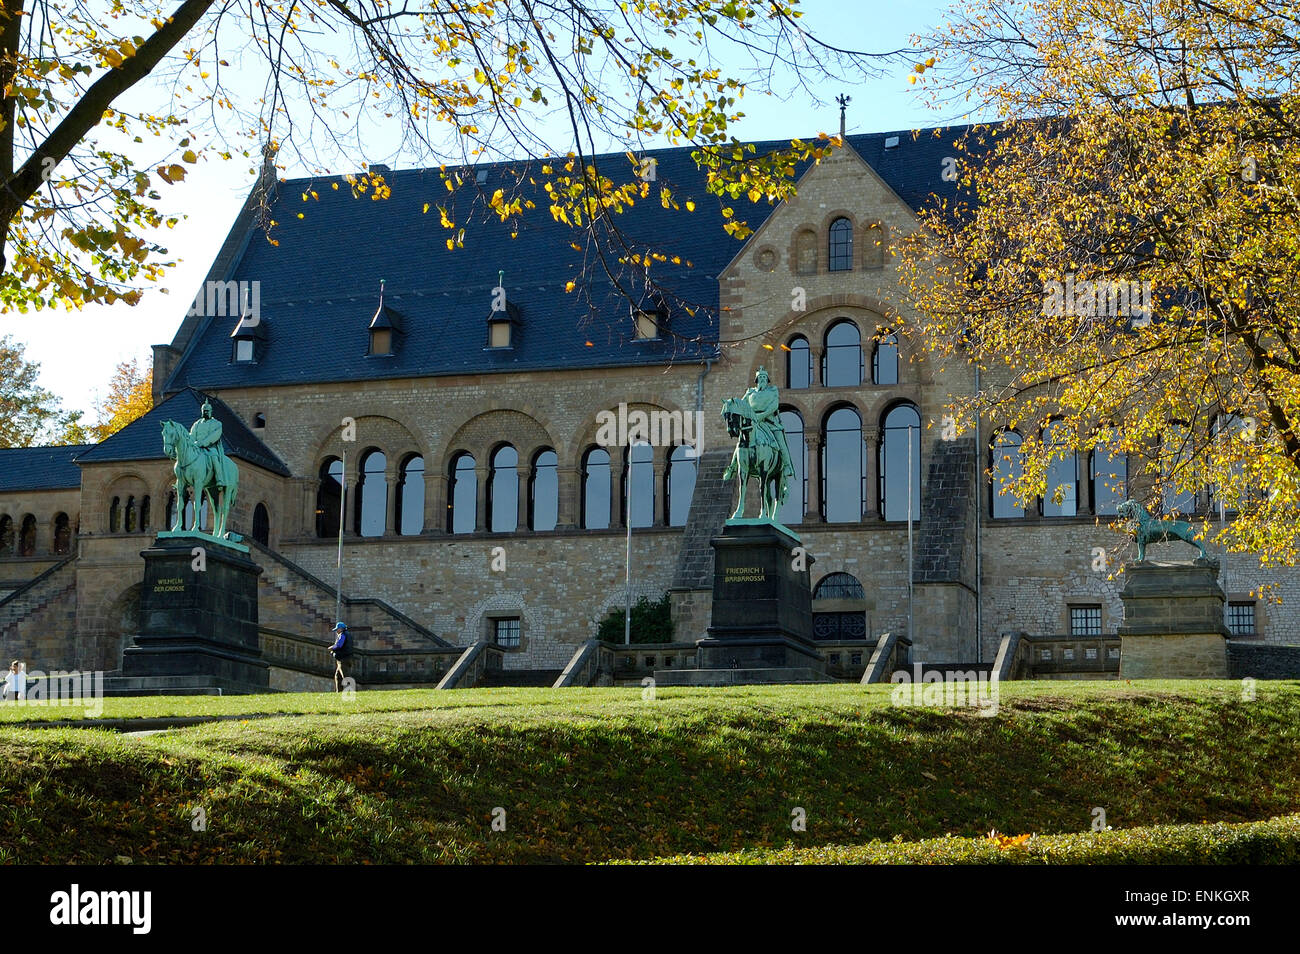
x: 142, y: 438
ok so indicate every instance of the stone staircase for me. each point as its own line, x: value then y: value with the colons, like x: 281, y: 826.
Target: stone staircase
x: 119, y: 685
x: 710, y: 506
x: 293, y: 600
x: 27, y: 615
x: 501, y: 678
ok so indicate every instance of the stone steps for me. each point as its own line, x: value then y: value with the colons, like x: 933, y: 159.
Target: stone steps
x: 503, y: 678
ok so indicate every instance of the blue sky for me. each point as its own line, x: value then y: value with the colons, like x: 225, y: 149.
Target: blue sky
x: 78, y: 351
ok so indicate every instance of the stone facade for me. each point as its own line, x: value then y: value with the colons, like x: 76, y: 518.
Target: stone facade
x: 972, y: 577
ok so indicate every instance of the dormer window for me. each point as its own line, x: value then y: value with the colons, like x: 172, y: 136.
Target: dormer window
x: 649, y: 318
x: 249, y: 339
x: 647, y: 324
x: 386, y: 328
x: 503, y: 320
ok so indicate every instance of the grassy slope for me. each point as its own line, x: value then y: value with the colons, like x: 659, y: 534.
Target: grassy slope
x: 590, y: 775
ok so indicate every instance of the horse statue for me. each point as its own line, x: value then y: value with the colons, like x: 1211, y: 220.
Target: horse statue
x: 206, y: 472
x: 1151, y: 530
x: 754, y: 459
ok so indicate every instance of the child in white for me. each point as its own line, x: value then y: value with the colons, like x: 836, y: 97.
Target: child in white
x: 16, y: 681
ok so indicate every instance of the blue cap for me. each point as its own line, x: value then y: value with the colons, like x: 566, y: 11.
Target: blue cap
x: 340, y: 625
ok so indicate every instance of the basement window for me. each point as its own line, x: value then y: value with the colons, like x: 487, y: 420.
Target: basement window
x: 506, y: 632
x: 1241, y: 619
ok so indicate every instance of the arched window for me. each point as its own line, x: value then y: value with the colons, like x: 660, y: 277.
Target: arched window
x: 6, y: 536
x: 842, y: 360
x: 1007, y: 466
x: 372, y: 496
x: 595, y: 489
x: 329, y: 498
x: 680, y: 484
x: 873, y: 247
x: 843, y: 467
x: 805, y: 252
x: 189, y: 513
x: 841, y: 246
x: 798, y: 364
x: 844, y: 622
x: 884, y: 361
x: 62, y: 534
x: 1109, y: 473
x: 129, y: 523
x: 170, y: 515
x: 839, y: 586
x: 639, y: 485
x: 900, y: 464
x: 503, y: 490
x: 259, y: 420
x: 262, y: 525
x: 115, y: 515
x: 462, y: 496
x: 1062, y: 496
x: 27, y: 537
x: 410, y: 497
x: 544, y: 491
x: 796, y: 503
x: 1177, y: 454
x: 144, y: 514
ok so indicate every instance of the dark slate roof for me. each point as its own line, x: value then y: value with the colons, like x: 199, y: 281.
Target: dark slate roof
x: 40, y: 468
x: 142, y: 438
x: 320, y: 285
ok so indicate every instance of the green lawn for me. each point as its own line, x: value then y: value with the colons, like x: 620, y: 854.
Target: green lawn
x: 601, y: 774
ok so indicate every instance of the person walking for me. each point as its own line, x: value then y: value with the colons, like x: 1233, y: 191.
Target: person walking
x: 342, y: 652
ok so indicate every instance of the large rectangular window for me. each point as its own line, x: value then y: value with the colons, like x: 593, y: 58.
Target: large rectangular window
x: 1085, y: 620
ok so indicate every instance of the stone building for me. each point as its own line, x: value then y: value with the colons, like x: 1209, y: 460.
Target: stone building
x: 449, y: 404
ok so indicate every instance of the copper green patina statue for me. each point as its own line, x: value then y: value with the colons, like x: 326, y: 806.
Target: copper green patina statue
x: 761, y: 448
x: 1149, y: 529
x: 203, y: 469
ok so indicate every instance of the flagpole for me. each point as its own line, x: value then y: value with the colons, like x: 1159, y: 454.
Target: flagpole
x: 627, y: 556
x: 343, y: 497
x: 910, y: 635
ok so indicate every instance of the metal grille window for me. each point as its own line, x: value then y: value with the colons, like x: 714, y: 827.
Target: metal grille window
x: 507, y: 632
x: 1085, y: 620
x: 1241, y: 619
x: 839, y: 586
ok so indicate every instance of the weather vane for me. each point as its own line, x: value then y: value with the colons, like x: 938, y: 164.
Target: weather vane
x: 844, y: 101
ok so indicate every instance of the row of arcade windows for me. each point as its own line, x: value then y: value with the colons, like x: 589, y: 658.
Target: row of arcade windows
x: 845, y: 495
x: 1105, y: 469
x: 20, y: 539
x: 502, y: 497
x: 843, y: 362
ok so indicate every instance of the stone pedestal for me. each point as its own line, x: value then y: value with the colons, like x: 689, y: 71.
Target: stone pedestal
x: 762, y: 605
x: 1173, y: 622
x: 198, y: 622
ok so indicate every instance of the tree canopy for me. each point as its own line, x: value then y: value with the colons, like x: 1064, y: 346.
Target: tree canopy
x: 1125, y: 269
x: 29, y: 414
x: 130, y: 395
x: 90, y: 151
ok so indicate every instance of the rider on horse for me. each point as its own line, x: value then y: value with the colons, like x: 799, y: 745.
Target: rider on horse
x: 207, y: 435
x: 763, y: 398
